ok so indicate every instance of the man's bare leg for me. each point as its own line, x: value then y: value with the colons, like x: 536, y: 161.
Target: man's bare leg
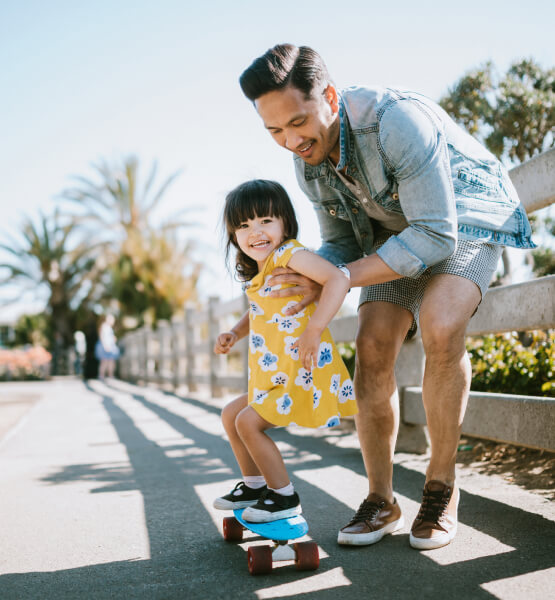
x: 448, y: 304
x: 382, y: 328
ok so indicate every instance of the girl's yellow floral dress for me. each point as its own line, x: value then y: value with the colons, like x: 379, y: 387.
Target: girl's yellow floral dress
x: 280, y: 389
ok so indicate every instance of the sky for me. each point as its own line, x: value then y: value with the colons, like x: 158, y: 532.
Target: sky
x: 83, y: 82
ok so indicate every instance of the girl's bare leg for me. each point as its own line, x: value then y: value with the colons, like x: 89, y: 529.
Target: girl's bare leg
x: 111, y: 367
x: 229, y: 415
x: 251, y: 428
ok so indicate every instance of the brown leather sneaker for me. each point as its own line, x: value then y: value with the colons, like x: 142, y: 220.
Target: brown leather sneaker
x: 374, y: 518
x: 436, y: 523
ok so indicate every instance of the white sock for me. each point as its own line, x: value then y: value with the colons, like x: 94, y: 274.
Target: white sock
x: 255, y: 482
x: 288, y: 490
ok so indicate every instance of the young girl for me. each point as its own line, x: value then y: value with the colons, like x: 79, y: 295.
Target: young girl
x: 296, y: 375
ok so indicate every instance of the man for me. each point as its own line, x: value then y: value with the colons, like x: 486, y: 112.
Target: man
x: 420, y: 212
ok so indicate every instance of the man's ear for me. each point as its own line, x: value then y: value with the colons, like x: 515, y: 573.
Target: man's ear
x: 330, y: 94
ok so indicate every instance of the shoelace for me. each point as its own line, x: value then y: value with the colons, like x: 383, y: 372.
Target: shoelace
x: 367, y: 511
x: 433, y: 505
x: 239, y: 486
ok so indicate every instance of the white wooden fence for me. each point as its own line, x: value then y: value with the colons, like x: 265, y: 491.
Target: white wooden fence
x: 180, y: 353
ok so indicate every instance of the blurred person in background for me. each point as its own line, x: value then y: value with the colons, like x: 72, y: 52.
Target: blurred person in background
x: 106, y: 349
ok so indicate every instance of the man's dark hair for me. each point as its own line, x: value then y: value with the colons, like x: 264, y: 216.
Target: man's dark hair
x: 283, y: 65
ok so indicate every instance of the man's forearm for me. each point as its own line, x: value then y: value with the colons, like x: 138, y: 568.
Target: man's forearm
x: 371, y: 270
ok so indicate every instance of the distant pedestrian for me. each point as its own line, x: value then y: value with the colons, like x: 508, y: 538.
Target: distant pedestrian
x: 296, y: 375
x: 106, y: 349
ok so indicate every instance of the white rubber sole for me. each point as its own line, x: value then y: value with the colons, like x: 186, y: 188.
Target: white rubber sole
x: 432, y: 543
x: 222, y: 504
x: 253, y: 515
x: 365, y: 539
x: 438, y: 541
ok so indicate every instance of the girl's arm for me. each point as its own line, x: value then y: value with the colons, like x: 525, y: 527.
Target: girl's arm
x: 228, y: 339
x: 335, y: 285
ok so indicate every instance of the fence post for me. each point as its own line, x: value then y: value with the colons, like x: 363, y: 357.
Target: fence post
x: 144, y: 355
x: 190, y: 350
x: 409, y: 371
x: 174, y: 343
x: 150, y: 360
x: 214, y: 360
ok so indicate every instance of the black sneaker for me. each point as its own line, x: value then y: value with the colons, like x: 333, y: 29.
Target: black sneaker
x: 240, y: 496
x: 272, y: 507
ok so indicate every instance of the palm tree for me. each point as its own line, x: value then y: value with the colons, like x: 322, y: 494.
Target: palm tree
x: 46, y: 259
x: 116, y: 203
x: 151, y: 272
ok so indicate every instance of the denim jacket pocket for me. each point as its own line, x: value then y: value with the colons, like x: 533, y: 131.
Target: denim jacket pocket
x: 478, y: 183
x: 336, y: 209
x: 389, y: 198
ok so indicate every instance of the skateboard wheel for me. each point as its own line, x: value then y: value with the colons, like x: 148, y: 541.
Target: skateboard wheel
x: 260, y: 560
x: 233, y: 530
x: 307, y: 556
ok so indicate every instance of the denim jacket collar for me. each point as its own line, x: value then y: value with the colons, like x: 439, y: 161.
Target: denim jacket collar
x: 346, y: 149
x: 343, y: 136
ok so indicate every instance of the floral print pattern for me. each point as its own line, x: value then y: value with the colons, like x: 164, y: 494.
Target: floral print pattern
x: 255, y: 309
x: 279, y: 389
x: 325, y: 355
x: 304, y: 379
x: 347, y: 391
x: 268, y: 361
x: 257, y: 343
x: 284, y: 404
x: 280, y: 378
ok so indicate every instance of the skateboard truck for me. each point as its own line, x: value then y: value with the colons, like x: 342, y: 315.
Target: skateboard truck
x: 261, y: 558
x: 282, y: 551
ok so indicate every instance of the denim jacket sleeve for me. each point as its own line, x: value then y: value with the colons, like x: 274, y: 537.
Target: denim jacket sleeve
x: 415, y: 152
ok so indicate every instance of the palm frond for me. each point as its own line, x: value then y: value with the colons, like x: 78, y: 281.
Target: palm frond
x: 162, y: 190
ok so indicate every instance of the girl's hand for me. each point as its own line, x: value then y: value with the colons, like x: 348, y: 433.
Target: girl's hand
x: 308, y: 344
x: 225, y: 342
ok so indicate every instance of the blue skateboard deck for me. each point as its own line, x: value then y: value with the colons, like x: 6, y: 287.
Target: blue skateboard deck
x: 279, y: 531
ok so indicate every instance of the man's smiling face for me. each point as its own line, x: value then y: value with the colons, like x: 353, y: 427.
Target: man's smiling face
x: 306, y: 127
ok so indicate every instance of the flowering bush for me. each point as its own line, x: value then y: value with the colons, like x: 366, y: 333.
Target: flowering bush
x: 503, y: 363
x: 32, y: 362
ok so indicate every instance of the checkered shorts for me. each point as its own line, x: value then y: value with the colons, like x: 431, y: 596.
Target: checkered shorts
x: 476, y: 261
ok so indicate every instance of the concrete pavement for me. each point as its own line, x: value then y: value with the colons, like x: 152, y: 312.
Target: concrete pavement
x: 106, y: 492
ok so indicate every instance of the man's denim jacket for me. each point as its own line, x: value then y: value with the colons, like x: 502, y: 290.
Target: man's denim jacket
x: 411, y: 158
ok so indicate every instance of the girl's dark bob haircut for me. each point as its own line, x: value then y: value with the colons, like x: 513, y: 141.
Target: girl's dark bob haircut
x: 255, y: 198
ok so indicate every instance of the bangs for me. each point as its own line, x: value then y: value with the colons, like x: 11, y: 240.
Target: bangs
x: 256, y: 199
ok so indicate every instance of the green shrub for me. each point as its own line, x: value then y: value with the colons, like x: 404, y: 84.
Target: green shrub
x: 503, y: 363
x: 509, y: 363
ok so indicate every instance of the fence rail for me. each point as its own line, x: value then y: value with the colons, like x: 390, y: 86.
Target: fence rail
x: 180, y: 353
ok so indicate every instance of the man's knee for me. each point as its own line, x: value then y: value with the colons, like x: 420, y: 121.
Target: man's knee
x: 375, y: 350
x: 442, y: 336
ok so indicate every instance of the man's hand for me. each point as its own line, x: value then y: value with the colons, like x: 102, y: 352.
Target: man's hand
x: 225, y: 342
x: 300, y: 286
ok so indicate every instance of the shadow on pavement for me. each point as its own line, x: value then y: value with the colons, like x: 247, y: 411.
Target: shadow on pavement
x: 189, y: 558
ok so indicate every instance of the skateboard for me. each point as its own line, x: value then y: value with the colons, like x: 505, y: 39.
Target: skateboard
x: 261, y: 558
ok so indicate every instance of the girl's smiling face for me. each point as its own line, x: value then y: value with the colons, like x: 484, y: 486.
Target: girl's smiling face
x: 259, y: 237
